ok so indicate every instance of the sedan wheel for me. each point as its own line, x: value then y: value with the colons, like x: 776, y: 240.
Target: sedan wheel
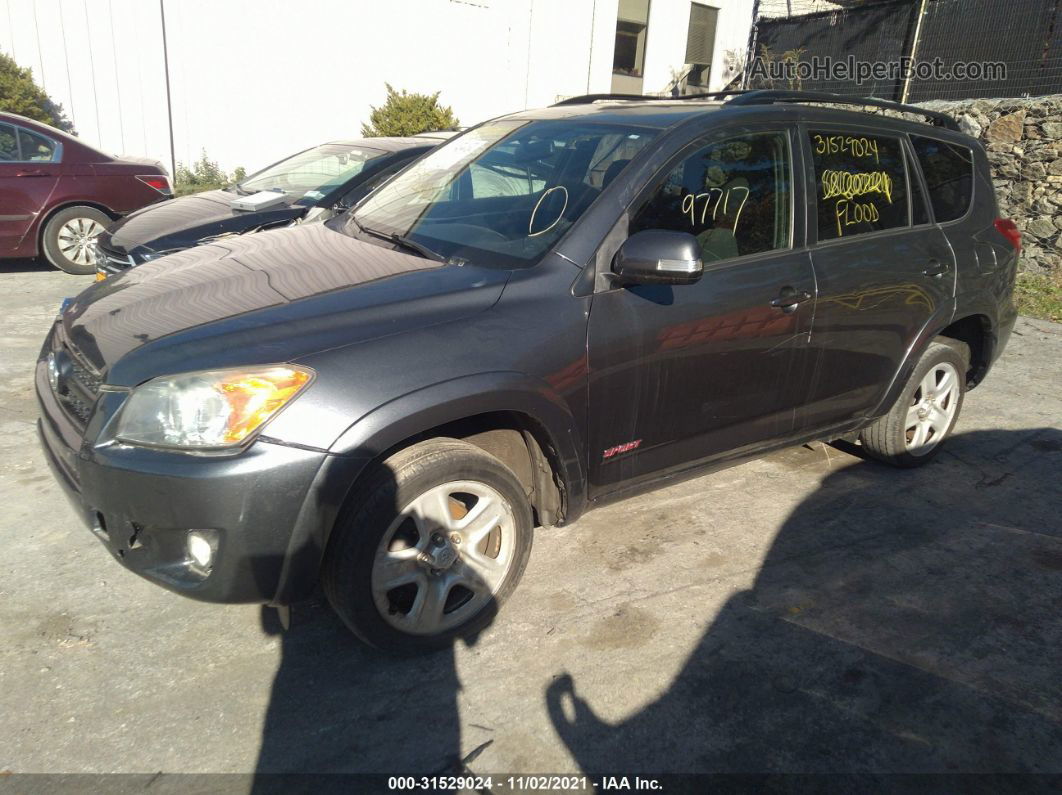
x: 68, y: 237
x: 76, y: 237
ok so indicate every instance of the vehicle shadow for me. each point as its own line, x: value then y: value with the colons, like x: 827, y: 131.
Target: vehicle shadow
x: 902, y: 621
x: 339, y: 706
x: 24, y: 265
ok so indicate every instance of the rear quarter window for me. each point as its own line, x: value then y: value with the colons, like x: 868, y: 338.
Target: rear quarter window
x: 948, y: 169
x: 860, y: 183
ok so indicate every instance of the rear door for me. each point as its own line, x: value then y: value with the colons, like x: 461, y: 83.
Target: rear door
x: 28, y: 175
x: 884, y: 271
x: 965, y: 209
x: 684, y: 374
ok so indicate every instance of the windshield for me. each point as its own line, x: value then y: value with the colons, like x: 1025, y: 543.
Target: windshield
x: 504, y: 192
x: 313, y: 173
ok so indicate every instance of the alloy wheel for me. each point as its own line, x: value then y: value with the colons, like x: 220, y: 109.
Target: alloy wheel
x: 932, y: 409
x: 75, y: 239
x: 443, y: 558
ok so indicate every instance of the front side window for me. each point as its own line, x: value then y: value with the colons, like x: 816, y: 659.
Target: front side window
x: 860, y: 183
x: 948, y: 169
x: 733, y: 195
x: 313, y: 173
x: 503, y: 192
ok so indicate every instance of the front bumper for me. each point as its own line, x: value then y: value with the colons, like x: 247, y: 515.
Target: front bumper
x: 265, y: 506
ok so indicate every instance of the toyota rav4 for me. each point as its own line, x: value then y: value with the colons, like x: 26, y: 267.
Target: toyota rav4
x: 554, y: 309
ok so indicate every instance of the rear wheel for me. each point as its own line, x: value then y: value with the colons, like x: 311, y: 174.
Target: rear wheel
x: 911, y: 433
x: 434, y: 541
x: 68, y: 236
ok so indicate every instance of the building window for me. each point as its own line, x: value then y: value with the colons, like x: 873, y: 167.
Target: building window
x: 631, y: 27
x: 700, y: 43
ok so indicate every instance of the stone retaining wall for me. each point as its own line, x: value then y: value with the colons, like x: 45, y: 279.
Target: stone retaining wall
x: 1024, y: 142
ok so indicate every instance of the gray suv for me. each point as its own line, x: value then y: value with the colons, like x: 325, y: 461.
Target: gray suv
x: 553, y: 309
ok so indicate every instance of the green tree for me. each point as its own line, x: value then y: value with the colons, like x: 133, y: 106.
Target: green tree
x: 408, y: 114
x: 19, y: 94
x: 203, y: 174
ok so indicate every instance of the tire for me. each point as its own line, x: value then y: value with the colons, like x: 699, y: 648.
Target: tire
x: 67, y: 234
x: 399, y: 583
x: 913, y: 431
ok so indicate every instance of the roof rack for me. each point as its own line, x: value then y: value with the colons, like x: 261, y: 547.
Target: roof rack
x: 586, y: 99
x: 768, y: 96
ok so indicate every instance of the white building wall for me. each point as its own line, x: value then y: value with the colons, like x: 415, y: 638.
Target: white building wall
x: 255, y: 80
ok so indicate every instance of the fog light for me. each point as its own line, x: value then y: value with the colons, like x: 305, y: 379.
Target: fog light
x: 201, y: 548
x: 53, y: 372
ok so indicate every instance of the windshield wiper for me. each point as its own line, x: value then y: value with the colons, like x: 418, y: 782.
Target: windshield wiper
x: 405, y: 242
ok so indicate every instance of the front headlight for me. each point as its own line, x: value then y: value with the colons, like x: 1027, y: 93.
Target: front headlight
x: 210, y: 409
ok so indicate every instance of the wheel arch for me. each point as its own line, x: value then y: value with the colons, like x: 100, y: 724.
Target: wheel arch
x: 509, y: 415
x: 514, y: 417
x: 66, y: 204
x: 974, y: 328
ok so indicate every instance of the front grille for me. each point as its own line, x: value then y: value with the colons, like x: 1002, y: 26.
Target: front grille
x: 78, y: 386
x: 85, y: 377
x: 111, y: 262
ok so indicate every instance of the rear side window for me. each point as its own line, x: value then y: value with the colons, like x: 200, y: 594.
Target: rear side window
x: 22, y: 145
x: 35, y: 147
x: 734, y: 196
x: 948, y: 169
x: 860, y: 183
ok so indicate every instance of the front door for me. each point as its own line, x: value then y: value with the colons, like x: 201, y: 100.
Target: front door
x: 683, y: 374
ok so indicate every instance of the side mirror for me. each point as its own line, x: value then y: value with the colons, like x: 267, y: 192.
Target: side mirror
x: 657, y: 256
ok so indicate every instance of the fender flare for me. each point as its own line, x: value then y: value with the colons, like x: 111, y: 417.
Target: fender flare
x: 455, y: 399
x: 936, y: 324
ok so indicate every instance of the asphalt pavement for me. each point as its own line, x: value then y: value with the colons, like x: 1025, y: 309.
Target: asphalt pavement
x: 805, y: 612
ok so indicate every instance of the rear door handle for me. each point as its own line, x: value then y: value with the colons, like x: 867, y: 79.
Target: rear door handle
x: 935, y: 269
x: 789, y: 299
x: 32, y: 173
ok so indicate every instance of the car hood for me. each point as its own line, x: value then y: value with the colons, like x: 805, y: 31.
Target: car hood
x: 265, y: 298
x: 183, y: 222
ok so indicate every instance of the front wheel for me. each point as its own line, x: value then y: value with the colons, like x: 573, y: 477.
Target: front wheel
x: 68, y: 236
x: 911, y: 433
x: 433, y: 542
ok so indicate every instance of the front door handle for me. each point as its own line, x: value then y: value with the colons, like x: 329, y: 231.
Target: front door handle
x: 789, y: 299
x: 935, y: 269
x: 31, y: 173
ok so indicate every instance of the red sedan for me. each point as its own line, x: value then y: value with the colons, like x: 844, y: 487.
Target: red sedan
x: 57, y: 194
